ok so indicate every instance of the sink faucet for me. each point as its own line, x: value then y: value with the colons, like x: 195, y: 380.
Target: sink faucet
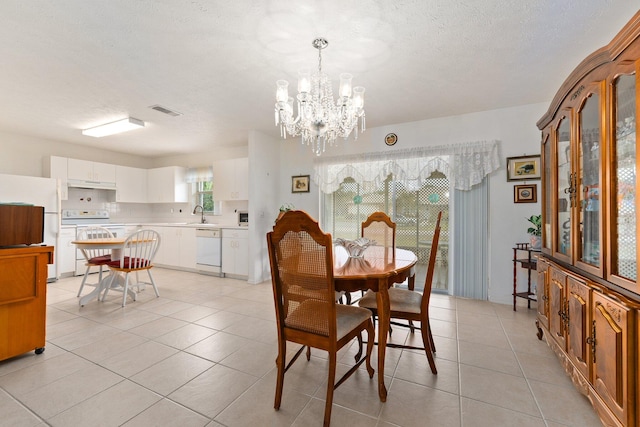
x: 195, y: 210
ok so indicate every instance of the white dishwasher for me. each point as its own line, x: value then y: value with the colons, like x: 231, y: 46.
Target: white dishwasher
x: 209, y: 250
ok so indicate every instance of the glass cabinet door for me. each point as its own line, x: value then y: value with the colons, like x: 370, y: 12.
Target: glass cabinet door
x: 546, y: 193
x: 588, y: 194
x: 564, y: 188
x: 624, y: 257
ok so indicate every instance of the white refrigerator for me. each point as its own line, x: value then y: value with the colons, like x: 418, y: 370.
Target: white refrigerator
x: 39, y: 192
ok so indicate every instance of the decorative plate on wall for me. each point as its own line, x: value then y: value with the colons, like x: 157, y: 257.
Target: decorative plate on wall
x: 390, y: 139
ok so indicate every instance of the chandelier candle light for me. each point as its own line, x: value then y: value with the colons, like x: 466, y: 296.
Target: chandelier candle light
x: 320, y: 120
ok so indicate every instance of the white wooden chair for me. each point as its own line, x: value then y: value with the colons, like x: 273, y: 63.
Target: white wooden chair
x: 94, y: 257
x: 138, y: 252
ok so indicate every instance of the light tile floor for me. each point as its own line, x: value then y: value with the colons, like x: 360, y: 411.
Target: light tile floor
x: 203, y: 354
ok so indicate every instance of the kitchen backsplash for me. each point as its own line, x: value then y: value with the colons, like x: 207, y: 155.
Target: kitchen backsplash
x: 85, y: 199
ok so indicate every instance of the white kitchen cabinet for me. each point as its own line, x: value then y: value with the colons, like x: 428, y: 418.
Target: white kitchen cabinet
x: 85, y: 170
x: 130, y: 229
x: 167, y: 185
x: 56, y: 167
x: 162, y: 256
x: 131, y: 185
x: 66, y: 252
x: 235, y: 252
x: 231, y: 179
x: 187, y: 247
x: 177, y: 247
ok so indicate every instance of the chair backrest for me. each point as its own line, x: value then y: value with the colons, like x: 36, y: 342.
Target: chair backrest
x: 379, y: 227
x: 139, y: 249
x: 301, y: 258
x: 424, y: 305
x: 94, y: 232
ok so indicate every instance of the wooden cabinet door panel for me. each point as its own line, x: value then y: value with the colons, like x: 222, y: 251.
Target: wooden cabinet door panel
x: 542, y: 295
x: 557, y: 285
x: 578, y: 297
x: 610, y: 357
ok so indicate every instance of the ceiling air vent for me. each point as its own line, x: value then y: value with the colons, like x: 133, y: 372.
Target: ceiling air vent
x: 165, y: 110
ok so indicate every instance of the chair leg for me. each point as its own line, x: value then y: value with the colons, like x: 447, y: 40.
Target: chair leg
x: 428, y: 348
x: 280, y: 363
x: 153, y: 283
x: 126, y: 289
x: 84, y: 280
x: 330, y: 387
x: 433, y: 344
x: 308, y: 353
x: 359, y: 353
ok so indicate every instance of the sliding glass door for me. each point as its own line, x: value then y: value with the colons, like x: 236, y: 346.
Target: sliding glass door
x: 413, y: 210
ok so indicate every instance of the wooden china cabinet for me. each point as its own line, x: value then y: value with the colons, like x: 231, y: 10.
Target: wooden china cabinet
x: 588, y: 289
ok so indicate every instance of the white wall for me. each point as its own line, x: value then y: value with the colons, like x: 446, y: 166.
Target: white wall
x: 25, y: 155
x: 514, y: 127
x: 264, y: 176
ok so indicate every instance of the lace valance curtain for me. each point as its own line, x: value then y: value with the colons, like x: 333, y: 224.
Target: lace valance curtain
x: 465, y: 164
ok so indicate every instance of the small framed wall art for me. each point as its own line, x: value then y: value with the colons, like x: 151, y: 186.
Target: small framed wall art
x: 300, y: 184
x: 523, y: 168
x: 525, y: 193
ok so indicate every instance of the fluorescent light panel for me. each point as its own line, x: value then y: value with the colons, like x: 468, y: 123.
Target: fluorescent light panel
x: 114, y: 127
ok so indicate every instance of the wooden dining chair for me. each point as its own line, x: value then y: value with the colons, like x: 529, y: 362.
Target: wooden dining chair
x: 94, y: 257
x: 379, y: 227
x: 138, y: 252
x: 412, y: 306
x: 301, y: 259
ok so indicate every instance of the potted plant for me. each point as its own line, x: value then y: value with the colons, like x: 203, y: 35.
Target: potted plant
x: 284, y: 208
x: 535, y: 231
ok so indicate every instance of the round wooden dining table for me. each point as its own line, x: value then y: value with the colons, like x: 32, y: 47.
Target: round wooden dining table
x: 378, y: 269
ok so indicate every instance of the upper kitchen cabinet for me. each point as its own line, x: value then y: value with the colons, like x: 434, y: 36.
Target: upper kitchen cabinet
x: 131, y: 185
x: 167, y: 185
x: 56, y: 167
x: 82, y: 171
x: 231, y: 179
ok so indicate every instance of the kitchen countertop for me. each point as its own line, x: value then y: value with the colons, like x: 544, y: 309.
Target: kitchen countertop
x: 190, y: 225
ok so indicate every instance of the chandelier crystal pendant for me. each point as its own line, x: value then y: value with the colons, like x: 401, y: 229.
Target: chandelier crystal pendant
x: 320, y: 120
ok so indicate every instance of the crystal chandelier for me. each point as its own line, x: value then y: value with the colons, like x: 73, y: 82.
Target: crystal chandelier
x: 320, y: 120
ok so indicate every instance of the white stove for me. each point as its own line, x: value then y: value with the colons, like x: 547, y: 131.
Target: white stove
x: 82, y: 217
x: 87, y: 218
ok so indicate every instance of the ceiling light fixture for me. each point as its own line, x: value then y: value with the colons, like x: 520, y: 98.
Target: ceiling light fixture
x: 320, y: 120
x: 112, y: 128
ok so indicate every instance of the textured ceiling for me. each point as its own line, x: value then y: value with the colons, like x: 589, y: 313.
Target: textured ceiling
x: 66, y: 65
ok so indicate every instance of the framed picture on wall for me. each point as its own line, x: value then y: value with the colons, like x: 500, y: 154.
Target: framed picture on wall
x: 525, y: 193
x: 300, y: 184
x: 523, y: 168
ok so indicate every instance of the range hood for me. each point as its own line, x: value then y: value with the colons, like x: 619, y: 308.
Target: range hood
x: 78, y: 183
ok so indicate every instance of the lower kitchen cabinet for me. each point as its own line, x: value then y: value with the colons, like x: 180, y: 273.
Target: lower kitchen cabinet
x: 235, y: 252
x: 23, y: 299
x: 177, y: 247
